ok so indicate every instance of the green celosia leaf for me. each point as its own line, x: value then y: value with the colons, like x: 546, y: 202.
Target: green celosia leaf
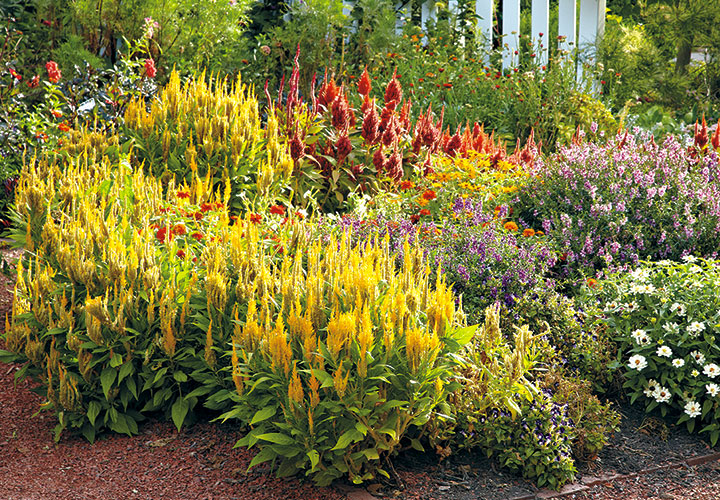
x: 277, y: 438
x: 314, y: 457
x: 464, y: 335
x: 107, y: 378
x: 263, y: 414
x: 180, y: 410
x: 93, y: 411
x: 348, y: 437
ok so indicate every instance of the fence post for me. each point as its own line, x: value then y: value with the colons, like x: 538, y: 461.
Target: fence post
x: 484, y: 11
x: 592, y: 27
x: 511, y: 31
x: 541, y: 28
x: 428, y: 13
x: 567, y: 24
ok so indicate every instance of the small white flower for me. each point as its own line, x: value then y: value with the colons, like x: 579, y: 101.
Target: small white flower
x: 650, y: 389
x: 712, y: 370
x: 636, y: 288
x: 641, y: 337
x: 689, y: 258
x: 698, y: 357
x: 679, y: 308
x: 712, y: 389
x: 637, y: 362
x: 692, y: 408
x: 671, y: 327
x: 678, y: 362
x: 662, y: 394
x: 611, y: 306
x: 640, y: 274
x: 632, y: 306
x: 648, y: 289
x: 664, y: 351
x: 695, y: 327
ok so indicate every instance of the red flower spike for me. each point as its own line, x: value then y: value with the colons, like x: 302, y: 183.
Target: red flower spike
x: 340, y: 113
x: 379, y: 160
x: 370, y: 131
x: 394, y: 166
x: 715, y: 140
x: 701, y: 136
x: 365, y: 84
x: 343, y: 147
x: 393, y: 92
x: 297, y: 148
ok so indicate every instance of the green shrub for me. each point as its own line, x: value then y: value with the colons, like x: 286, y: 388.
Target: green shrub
x: 664, y: 316
x: 351, y: 360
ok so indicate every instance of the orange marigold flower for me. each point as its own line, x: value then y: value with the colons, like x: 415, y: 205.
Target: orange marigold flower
x: 510, y: 226
x: 64, y: 127
x: 429, y: 195
x: 591, y: 282
x: 407, y: 185
x: 179, y: 229
x: 529, y: 232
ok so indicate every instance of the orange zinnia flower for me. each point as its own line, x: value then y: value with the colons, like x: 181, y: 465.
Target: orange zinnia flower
x: 407, y: 185
x: 591, y: 282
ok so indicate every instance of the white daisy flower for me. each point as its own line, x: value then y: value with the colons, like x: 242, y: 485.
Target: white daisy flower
x: 711, y: 370
x: 678, y: 308
x: 689, y: 258
x: 695, y: 327
x: 664, y: 351
x: 611, y: 306
x: 712, y: 389
x: 632, y: 306
x: 692, y: 408
x: 678, y: 362
x: 636, y: 288
x: 671, y: 327
x: 650, y: 389
x: 637, y: 362
x: 662, y: 394
x: 640, y: 274
x: 698, y: 357
x: 641, y: 337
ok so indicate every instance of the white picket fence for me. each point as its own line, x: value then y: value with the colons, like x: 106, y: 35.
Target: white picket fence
x: 576, y: 34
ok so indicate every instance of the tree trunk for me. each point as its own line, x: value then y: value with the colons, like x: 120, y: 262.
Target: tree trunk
x: 683, y: 57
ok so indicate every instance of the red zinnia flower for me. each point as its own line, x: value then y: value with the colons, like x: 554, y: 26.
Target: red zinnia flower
x: 206, y: 207
x: 54, y: 74
x: 34, y: 82
x: 163, y: 233
x: 277, y: 210
x: 64, y: 127
x: 424, y: 211
x: 197, y: 235
x: 150, y: 70
x: 180, y: 253
x: 183, y: 194
x: 179, y: 229
x: 15, y: 74
x: 407, y: 185
x: 255, y: 218
x: 429, y: 195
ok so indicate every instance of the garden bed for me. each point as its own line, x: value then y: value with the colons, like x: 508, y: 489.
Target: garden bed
x: 201, y: 458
